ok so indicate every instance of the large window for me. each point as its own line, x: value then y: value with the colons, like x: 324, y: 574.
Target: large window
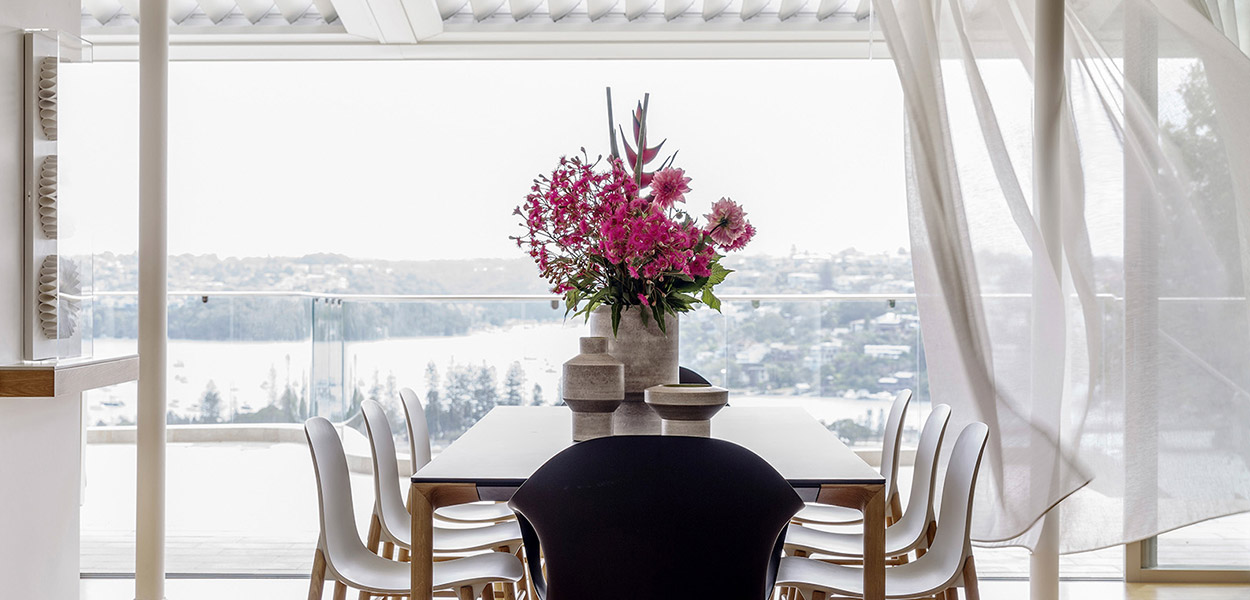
x: 295, y: 185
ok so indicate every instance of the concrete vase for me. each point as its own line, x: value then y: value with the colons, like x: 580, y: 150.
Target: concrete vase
x: 594, y: 384
x: 650, y: 358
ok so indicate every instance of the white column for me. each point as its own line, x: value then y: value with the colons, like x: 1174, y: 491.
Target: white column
x: 153, y: 117
x: 1048, y: 94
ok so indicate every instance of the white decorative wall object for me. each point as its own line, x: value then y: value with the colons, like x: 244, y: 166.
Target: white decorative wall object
x: 255, y: 10
x: 53, y: 288
x: 292, y: 10
x: 47, y: 96
x: 47, y: 296
x: 102, y: 11
x: 483, y: 9
x: 47, y: 196
x: 750, y: 8
x: 713, y: 8
x: 522, y: 8
x: 217, y: 10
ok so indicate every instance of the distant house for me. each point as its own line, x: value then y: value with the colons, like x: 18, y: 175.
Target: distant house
x: 886, y: 350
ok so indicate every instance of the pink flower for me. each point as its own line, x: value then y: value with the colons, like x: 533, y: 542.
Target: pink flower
x: 643, y: 299
x: 669, y: 186
x: 727, y: 225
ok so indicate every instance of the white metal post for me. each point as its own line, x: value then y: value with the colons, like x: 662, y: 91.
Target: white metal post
x: 1048, y: 94
x: 153, y: 133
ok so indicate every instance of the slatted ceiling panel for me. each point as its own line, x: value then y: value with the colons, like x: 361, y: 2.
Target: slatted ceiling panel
x: 558, y: 9
x: 292, y: 10
x: 406, y: 21
x: 521, y: 9
x: 828, y: 8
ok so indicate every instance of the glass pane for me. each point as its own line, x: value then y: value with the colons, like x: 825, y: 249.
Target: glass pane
x: 1216, y: 544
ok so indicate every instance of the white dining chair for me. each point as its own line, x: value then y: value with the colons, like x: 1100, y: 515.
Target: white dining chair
x: 947, y: 565
x: 391, y: 523
x: 912, y: 532
x: 826, y: 514
x: 341, y: 554
x: 419, y: 445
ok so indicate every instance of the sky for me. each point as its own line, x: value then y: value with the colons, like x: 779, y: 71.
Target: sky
x: 420, y: 160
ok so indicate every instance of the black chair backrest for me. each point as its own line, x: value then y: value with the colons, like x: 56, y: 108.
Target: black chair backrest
x: 655, y: 518
x: 685, y: 375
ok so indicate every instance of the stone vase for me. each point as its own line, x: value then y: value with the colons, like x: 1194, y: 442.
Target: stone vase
x: 593, y: 387
x: 650, y: 359
x: 687, y: 408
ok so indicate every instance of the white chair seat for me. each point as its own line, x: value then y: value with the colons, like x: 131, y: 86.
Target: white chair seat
x: 384, y: 576
x: 478, y: 538
x: 475, y: 512
x: 850, y: 545
x: 912, y: 580
x: 827, y: 514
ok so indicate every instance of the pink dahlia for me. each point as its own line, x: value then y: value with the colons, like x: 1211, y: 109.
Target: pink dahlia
x: 669, y: 186
x: 727, y: 225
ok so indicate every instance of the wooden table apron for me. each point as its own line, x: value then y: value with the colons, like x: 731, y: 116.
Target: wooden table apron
x: 494, y: 457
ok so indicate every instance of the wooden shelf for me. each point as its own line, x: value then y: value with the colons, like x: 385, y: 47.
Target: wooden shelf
x: 55, y: 378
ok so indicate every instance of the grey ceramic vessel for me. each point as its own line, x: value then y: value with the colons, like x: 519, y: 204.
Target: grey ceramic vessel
x: 594, y: 385
x: 650, y: 358
x: 687, y: 408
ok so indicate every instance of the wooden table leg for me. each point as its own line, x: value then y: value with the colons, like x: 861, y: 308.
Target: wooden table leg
x: 423, y: 498
x: 870, y: 500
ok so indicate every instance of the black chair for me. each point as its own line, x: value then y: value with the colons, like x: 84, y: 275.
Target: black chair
x: 654, y: 518
x: 685, y: 375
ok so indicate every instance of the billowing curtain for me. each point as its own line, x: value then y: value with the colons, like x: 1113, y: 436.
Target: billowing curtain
x: 1116, y: 384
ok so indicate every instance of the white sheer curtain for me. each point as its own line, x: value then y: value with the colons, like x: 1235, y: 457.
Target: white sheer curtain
x: 1118, y: 385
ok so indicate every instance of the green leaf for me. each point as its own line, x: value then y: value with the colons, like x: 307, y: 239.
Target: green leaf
x: 616, y: 318
x: 659, y: 317
x: 711, y: 300
x: 719, y: 273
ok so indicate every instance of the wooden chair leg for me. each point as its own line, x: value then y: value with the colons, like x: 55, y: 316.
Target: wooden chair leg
x: 894, y: 510
x: 340, y: 590
x: 509, y: 591
x: 818, y: 595
x: 388, y: 550
x: 375, y: 534
x: 488, y: 592
x: 317, y: 582
x: 403, y: 555
x: 971, y: 590
x: 465, y: 593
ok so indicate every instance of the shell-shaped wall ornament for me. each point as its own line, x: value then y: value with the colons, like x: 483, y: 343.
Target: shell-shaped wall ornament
x: 47, y: 96
x: 47, y: 196
x: 47, y: 296
x: 68, y: 305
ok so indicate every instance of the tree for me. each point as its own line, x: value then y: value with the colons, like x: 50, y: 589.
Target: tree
x: 485, y: 391
x: 513, y: 382
x: 435, y: 411
x: 210, y: 404
x: 849, y: 431
x: 537, y: 398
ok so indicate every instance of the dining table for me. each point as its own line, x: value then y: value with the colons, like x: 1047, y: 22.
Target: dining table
x: 495, y: 457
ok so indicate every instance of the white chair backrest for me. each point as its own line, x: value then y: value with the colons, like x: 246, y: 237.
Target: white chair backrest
x: 952, y: 544
x: 919, y: 511
x: 890, y: 442
x: 339, y: 537
x: 389, y: 501
x: 418, y: 429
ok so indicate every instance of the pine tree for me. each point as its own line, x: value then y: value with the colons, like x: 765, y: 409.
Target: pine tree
x: 537, y: 397
x: 435, y: 412
x: 210, y: 404
x: 484, y: 391
x: 513, y: 383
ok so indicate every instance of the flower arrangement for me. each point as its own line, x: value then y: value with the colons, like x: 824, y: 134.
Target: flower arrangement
x: 609, y: 232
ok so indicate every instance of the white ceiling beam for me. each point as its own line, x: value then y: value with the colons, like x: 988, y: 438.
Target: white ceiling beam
x: 358, y: 19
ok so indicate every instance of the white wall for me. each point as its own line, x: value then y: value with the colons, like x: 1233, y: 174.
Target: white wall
x: 39, y: 438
